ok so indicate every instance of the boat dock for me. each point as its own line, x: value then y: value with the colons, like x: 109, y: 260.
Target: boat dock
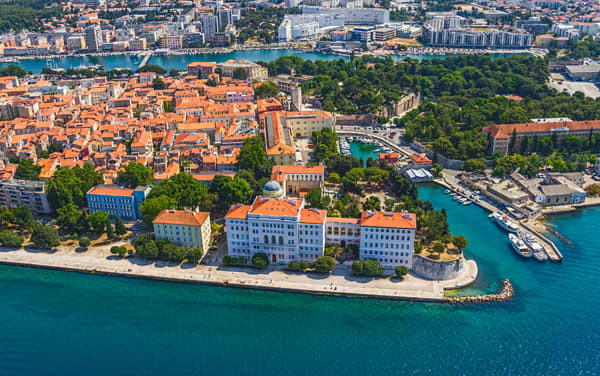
x: 145, y: 60
x: 550, y: 248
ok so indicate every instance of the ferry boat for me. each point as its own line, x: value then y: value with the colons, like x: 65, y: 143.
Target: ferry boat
x: 538, y: 250
x: 519, y: 246
x: 504, y: 222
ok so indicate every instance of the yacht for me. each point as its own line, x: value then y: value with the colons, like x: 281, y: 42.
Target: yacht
x: 504, y: 222
x: 538, y: 250
x: 519, y: 246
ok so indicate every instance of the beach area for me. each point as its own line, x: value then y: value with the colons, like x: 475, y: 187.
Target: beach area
x: 340, y: 282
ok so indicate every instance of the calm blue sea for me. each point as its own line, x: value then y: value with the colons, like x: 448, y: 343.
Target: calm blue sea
x: 57, y: 323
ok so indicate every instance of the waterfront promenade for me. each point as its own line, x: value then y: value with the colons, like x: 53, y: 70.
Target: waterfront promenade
x: 340, y: 282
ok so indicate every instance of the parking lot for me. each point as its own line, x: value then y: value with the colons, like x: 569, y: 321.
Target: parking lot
x: 560, y: 83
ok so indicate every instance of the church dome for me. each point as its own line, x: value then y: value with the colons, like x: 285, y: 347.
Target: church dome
x: 273, y: 190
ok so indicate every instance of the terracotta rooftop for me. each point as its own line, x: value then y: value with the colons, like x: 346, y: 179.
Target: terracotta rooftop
x: 391, y: 220
x: 181, y: 217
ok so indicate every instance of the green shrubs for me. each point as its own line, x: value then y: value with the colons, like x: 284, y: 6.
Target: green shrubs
x: 369, y: 268
x: 401, y: 271
x: 260, y: 261
x: 297, y: 266
x: 11, y: 239
x: 234, y: 261
x: 84, y: 242
x: 119, y: 250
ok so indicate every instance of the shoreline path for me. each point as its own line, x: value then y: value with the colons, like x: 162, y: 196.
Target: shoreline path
x: 99, y: 260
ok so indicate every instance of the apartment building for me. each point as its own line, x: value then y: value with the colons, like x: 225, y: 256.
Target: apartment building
x: 501, y: 134
x: 117, y: 201
x: 304, y: 123
x: 15, y: 193
x: 186, y: 228
x: 202, y: 68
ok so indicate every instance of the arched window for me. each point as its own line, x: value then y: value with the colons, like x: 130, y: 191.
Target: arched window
x: 273, y: 241
x: 266, y: 239
x: 281, y: 240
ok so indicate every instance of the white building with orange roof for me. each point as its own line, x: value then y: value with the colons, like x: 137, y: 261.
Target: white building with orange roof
x: 186, y: 228
x: 388, y: 238
x: 282, y: 228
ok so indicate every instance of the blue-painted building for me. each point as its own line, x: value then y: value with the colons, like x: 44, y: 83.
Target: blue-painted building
x: 117, y: 201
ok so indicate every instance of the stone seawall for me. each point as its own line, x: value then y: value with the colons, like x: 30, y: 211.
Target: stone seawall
x: 438, y: 270
x: 506, y: 293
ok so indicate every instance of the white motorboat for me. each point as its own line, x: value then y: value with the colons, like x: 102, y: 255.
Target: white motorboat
x: 519, y: 246
x: 468, y: 202
x: 447, y: 191
x: 504, y: 222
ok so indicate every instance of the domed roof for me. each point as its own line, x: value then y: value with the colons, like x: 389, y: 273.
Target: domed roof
x: 272, y: 189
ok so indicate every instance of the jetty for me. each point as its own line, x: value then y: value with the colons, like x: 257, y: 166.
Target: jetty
x: 506, y: 293
x: 145, y: 60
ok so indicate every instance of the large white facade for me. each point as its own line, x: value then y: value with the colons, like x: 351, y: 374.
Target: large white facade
x: 286, y: 231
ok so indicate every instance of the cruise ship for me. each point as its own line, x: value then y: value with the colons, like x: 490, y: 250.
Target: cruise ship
x: 504, y: 222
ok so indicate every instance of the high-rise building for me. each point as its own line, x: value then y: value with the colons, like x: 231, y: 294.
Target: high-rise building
x: 225, y: 18
x: 93, y: 38
x: 210, y: 26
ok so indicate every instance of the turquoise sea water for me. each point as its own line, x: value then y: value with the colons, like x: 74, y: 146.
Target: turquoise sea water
x: 181, y: 61
x: 57, y: 323
x: 364, y: 151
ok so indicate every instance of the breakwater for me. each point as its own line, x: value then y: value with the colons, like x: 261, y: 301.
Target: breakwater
x: 506, y: 293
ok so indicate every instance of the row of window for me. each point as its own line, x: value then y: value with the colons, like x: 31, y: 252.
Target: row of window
x: 387, y: 245
x: 108, y: 199
x: 386, y: 253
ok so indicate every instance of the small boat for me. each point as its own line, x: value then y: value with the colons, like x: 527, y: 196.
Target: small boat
x: 447, y: 191
x: 504, y: 222
x: 519, y: 246
x: 468, y: 202
x: 456, y: 197
x: 463, y: 200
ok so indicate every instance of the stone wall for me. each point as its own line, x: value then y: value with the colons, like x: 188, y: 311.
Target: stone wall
x: 438, y: 270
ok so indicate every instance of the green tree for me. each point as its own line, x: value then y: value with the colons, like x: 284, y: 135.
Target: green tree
x: 110, y: 232
x: 84, y: 242
x: 23, y: 216
x: 26, y: 170
x: 253, y: 157
x: 372, y: 204
x: 372, y: 268
x: 324, y: 264
x: 120, y: 228
x: 187, y: 192
x: 266, y: 90
x: 135, y: 174
x: 150, y: 250
x: 194, y: 255
x: 69, y: 218
x: 439, y: 247
x: 158, y: 84
x: 334, y: 178
x: 358, y: 267
x: 152, y: 206
x: 230, y: 191
x: 69, y: 185
x: 44, y: 236
x: 97, y: 221
x: 460, y: 241
x: 475, y: 165
x: 401, y: 271
x: 11, y: 239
